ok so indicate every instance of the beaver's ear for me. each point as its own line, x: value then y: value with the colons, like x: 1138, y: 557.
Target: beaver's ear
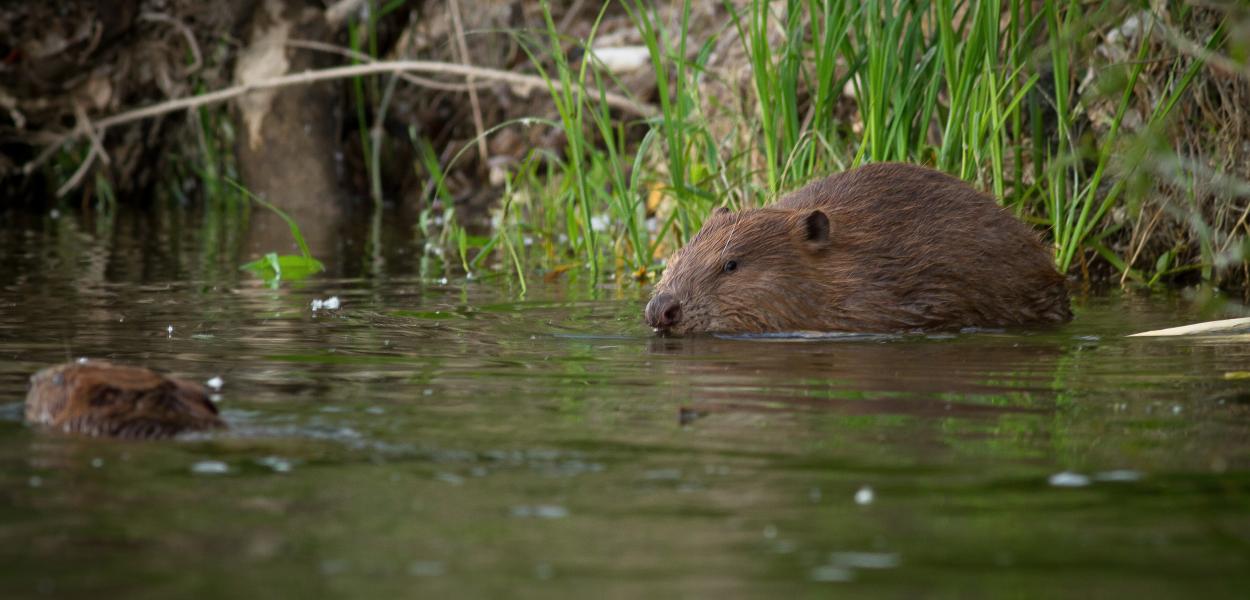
x: 814, y: 229
x: 721, y: 210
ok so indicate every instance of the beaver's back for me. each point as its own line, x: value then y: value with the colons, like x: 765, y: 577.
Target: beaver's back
x: 925, y: 249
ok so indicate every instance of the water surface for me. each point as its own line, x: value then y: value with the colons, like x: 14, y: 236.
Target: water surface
x: 445, y: 437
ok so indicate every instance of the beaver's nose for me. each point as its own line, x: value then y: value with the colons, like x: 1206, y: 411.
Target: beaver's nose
x: 663, y: 311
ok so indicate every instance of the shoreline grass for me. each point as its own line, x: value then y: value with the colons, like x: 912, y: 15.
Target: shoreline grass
x: 963, y: 87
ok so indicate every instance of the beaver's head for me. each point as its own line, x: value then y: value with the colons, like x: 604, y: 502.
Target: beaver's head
x: 99, y: 398
x: 754, y: 271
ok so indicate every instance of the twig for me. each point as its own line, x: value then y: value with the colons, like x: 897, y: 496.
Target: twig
x: 84, y: 124
x: 425, y: 66
x: 454, y: 6
x: 96, y: 151
x: 417, y: 80
x: 79, y: 173
x: 196, y: 57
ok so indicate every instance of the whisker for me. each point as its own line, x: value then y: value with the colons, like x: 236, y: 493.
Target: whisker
x: 729, y: 239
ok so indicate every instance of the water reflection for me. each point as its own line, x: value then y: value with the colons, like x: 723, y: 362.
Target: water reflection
x: 451, y: 437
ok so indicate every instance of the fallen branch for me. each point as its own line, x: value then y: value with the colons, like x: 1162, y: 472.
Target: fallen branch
x: 400, y: 66
x: 1210, y: 327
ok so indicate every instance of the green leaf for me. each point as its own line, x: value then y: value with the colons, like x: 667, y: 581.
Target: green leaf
x: 273, y: 267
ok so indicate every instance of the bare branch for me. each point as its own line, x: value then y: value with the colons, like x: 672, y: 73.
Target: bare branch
x: 527, y: 82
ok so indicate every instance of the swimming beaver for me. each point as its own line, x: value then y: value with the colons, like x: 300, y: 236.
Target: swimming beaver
x: 881, y: 248
x: 100, y: 398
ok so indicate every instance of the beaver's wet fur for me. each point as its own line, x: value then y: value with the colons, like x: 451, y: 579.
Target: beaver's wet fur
x: 99, y: 398
x: 882, y: 248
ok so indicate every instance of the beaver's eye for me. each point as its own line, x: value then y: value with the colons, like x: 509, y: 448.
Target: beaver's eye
x: 731, y: 266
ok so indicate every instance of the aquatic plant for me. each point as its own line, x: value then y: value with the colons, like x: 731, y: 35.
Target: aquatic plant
x: 274, y: 267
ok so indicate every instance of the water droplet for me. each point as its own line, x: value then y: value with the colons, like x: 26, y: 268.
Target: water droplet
x: 865, y: 496
x: 210, y: 467
x: 1068, y: 479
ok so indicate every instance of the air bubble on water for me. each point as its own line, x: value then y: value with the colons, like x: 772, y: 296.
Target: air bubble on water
x: 770, y: 532
x: 216, y: 382
x: 331, y: 303
x: 35, y: 481
x: 1069, y: 479
x: 865, y: 496
x: 170, y: 330
x: 82, y: 360
x: 427, y: 392
x: 1176, y: 409
x: 210, y: 467
x: 97, y: 462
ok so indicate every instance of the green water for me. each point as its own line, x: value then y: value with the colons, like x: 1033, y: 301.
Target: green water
x: 440, y: 438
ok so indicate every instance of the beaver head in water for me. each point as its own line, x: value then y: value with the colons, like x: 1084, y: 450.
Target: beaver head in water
x: 99, y: 398
x: 882, y: 248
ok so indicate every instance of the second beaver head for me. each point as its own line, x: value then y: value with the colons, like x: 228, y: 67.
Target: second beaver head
x: 99, y: 398
x: 881, y: 248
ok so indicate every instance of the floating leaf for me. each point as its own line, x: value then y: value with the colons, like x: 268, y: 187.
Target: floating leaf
x: 273, y: 268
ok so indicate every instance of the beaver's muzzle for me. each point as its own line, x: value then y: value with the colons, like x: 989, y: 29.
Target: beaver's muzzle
x: 663, y: 312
